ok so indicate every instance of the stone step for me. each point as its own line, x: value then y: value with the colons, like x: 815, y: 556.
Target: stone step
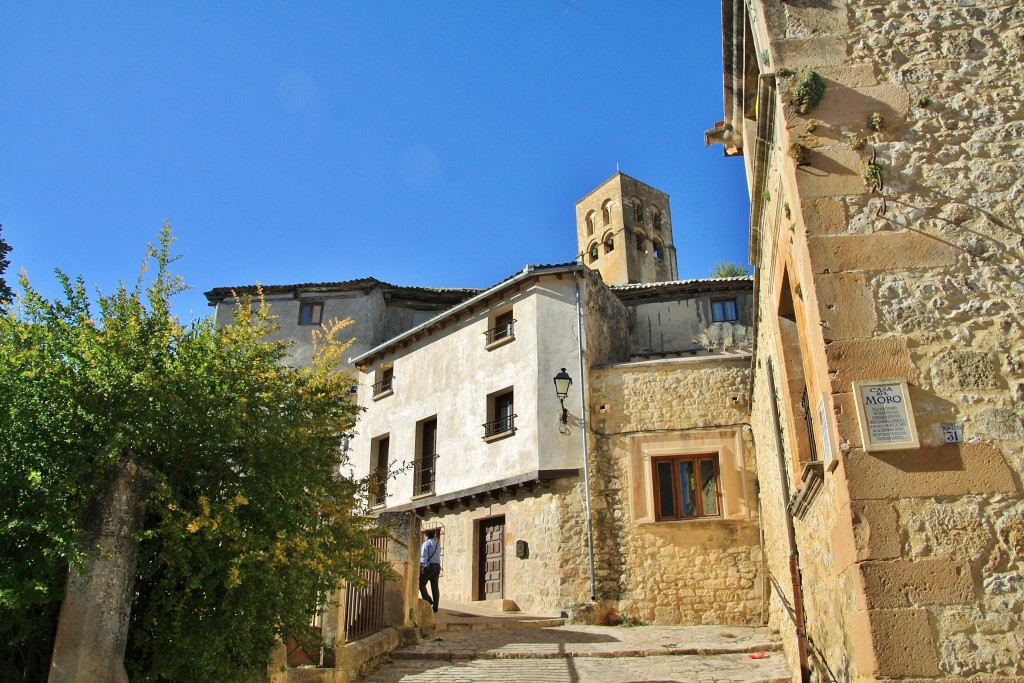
x: 485, y: 625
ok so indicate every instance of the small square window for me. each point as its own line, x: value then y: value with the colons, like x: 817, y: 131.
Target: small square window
x: 723, y: 310
x: 311, y: 312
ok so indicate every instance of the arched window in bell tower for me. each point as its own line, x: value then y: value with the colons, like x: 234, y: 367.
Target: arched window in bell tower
x: 593, y: 252
x: 658, y: 249
x: 606, y: 211
x: 638, y: 211
x: 656, y: 215
x: 640, y: 241
x: 590, y: 223
x: 609, y: 243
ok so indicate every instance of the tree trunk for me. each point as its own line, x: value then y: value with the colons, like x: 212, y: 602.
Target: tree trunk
x: 93, y: 628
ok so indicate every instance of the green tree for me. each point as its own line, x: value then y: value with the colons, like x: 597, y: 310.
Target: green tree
x: 5, y: 292
x: 728, y: 269
x: 249, y: 523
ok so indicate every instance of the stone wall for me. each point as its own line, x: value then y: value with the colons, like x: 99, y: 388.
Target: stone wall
x: 679, y: 572
x: 888, y: 242
x: 550, y: 518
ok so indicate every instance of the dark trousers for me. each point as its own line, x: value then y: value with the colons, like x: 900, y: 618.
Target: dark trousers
x: 430, y: 573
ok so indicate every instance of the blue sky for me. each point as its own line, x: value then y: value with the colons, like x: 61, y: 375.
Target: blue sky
x: 435, y: 144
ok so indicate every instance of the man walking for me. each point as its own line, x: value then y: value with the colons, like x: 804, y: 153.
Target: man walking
x: 430, y: 568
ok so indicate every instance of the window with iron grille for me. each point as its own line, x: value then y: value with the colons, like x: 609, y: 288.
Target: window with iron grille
x: 686, y: 487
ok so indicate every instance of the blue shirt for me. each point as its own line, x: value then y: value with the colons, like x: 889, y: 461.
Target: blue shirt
x: 430, y: 553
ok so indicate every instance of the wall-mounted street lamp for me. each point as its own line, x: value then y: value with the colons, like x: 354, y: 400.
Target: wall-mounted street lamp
x: 562, y: 383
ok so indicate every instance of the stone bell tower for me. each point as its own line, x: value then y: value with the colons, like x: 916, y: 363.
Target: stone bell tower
x: 624, y: 231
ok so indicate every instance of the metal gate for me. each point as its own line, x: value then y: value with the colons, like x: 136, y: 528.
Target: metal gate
x: 364, y: 607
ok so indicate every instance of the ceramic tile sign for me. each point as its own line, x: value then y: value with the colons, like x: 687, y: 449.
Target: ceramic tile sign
x: 885, y: 415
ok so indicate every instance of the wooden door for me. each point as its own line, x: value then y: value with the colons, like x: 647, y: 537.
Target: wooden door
x: 492, y: 559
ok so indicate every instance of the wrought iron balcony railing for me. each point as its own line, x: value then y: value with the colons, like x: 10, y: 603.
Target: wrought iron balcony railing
x: 382, y: 386
x: 500, y: 426
x: 424, y: 474
x: 506, y: 330
x: 379, y: 489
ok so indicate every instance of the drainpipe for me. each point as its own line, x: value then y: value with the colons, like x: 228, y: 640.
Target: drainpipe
x: 794, y: 558
x: 583, y: 427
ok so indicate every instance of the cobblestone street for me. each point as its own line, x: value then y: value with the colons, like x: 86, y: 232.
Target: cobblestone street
x: 511, y: 650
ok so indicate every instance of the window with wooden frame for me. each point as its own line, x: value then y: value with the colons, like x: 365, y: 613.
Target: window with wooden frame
x: 686, y: 487
x: 311, y: 312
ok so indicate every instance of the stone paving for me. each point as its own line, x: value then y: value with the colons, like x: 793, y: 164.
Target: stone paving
x: 660, y: 669
x: 473, y: 648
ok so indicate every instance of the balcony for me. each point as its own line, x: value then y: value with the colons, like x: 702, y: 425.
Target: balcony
x: 382, y: 388
x: 378, y: 492
x: 424, y: 475
x: 499, y: 428
x: 500, y: 334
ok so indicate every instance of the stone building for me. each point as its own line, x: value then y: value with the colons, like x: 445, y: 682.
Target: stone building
x: 639, y: 499
x: 884, y: 148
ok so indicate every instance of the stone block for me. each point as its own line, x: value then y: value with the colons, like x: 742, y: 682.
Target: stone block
x: 855, y: 76
x: 852, y: 360
x: 947, y: 470
x: 893, y: 642
x: 965, y: 369
x: 894, y: 584
x: 824, y: 216
x: 833, y: 172
x: 846, y: 305
x: 843, y: 104
x: 903, y: 250
x: 865, y: 530
x: 811, y: 52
